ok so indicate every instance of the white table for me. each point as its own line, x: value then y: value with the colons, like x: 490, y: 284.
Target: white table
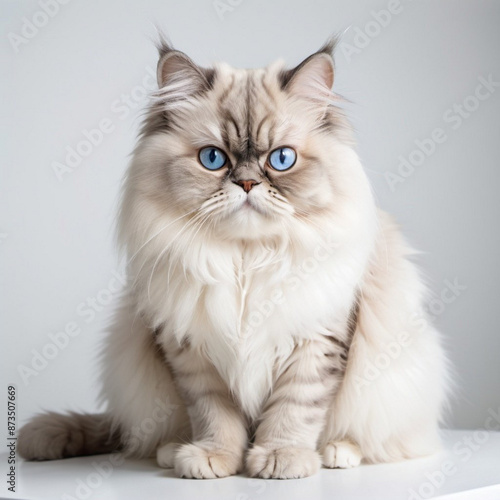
x: 468, y: 469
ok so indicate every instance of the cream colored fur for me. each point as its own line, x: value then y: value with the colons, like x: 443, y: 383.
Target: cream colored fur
x: 237, y: 303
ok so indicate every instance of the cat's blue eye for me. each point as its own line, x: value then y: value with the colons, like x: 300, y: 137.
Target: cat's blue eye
x: 212, y: 158
x: 282, y: 158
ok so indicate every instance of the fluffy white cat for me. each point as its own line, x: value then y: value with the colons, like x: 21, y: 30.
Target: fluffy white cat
x: 263, y: 281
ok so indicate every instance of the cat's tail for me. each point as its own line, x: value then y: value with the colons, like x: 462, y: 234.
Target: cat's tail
x: 50, y: 436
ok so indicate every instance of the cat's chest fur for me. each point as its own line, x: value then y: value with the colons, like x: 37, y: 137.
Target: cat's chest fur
x: 246, y: 309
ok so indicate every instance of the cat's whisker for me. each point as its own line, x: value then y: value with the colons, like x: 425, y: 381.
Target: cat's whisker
x: 200, y: 225
x: 158, y: 232
x: 214, y: 200
x: 162, y: 253
x: 138, y: 273
x: 206, y: 215
x: 281, y: 209
x: 200, y: 218
x: 304, y: 216
x: 193, y: 222
x: 278, y: 196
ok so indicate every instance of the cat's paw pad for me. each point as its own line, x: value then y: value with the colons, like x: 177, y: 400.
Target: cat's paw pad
x: 199, y: 462
x: 282, y: 463
x: 341, y: 455
x: 165, y: 455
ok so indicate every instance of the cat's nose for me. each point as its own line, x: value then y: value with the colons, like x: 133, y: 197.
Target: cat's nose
x: 247, y: 185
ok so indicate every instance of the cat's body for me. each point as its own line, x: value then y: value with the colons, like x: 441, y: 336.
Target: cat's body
x: 258, y: 296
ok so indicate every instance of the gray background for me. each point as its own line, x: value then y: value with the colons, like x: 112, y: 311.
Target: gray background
x: 56, y: 237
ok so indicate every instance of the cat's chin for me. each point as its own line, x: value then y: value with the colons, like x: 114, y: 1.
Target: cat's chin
x: 249, y: 223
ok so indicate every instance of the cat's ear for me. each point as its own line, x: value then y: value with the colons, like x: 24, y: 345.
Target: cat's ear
x: 176, y: 69
x: 313, y: 77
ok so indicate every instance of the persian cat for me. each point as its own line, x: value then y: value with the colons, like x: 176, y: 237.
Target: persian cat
x: 273, y: 321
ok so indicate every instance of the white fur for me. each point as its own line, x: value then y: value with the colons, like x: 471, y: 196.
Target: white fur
x: 237, y: 298
x: 203, y: 279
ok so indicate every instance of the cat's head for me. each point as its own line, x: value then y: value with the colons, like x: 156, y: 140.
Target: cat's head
x: 243, y: 153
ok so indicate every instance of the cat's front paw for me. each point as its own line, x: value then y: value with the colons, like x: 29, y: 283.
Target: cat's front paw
x: 341, y: 455
x: 282, y: 463
x: 202, y: 462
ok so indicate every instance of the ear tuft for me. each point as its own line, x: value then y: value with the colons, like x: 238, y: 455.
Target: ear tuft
x: 329, y: 46
x: 313, y: 77
x: 163, y: 44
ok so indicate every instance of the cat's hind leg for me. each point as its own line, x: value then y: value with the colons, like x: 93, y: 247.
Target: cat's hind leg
x: 396, y: 381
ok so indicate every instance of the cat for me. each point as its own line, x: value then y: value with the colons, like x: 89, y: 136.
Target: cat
x: 273, y: 321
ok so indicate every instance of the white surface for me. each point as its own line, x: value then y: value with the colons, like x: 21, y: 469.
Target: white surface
x: 56, y: 247
x: 471, y: 460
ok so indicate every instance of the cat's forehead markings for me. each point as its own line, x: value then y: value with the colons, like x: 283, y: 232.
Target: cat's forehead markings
x: 226, y: 91
x: 243, y: 114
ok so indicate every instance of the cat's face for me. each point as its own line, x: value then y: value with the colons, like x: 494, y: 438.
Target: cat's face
x: 246, y: 152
